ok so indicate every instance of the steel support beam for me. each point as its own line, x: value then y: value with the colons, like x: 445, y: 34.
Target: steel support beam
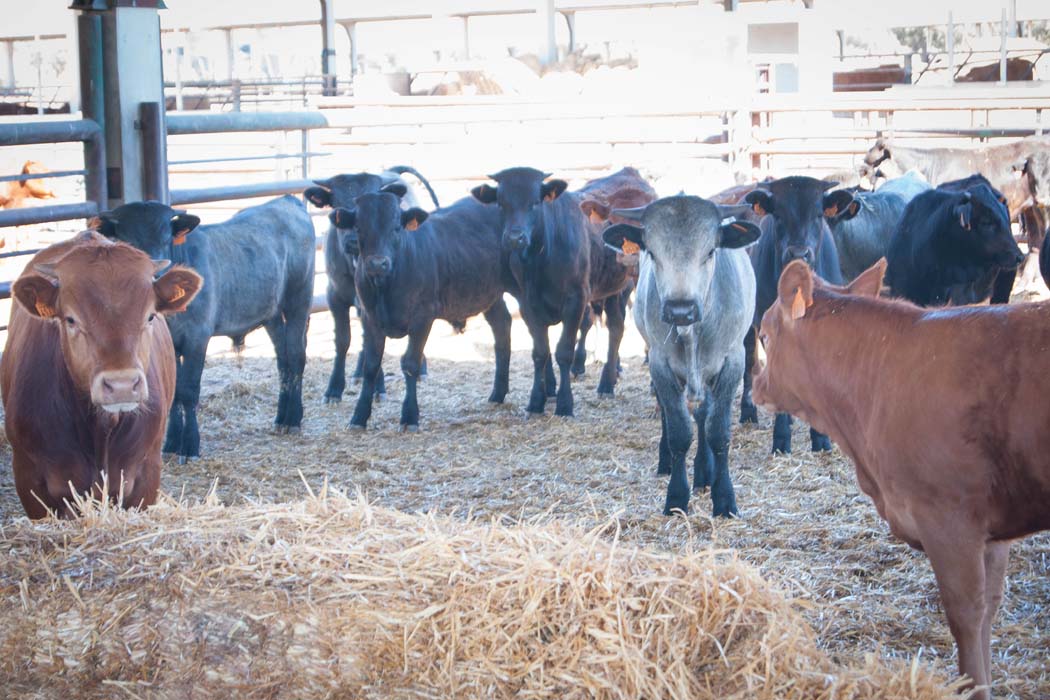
x: 217, y: 122
x: 328, y: 65
x: 154, y: 152
x: 218, y: 194
x: 549, y: 50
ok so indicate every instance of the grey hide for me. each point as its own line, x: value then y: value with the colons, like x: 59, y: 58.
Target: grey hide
x: 692, y: 257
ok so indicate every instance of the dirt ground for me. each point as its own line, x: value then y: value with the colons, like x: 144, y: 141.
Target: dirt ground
x: 804, y: 522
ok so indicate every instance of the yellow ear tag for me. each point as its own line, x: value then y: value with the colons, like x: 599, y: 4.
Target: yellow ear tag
x: 43, y: 310
x: 798, y: 306
x: 412, y: 225
x: 549, y: 197
x: 830, y: 212
x: 179, y: 239
x: 758, y: 209
x: 177, y: 294
x: 630, y: 247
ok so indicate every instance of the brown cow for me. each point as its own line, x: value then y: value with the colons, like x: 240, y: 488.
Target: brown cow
x: 14, y: 194
x: 88, y: 372
x: 612, y: 275
x: 958, y: 467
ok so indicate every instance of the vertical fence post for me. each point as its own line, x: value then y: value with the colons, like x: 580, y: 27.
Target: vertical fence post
x: 154, y: 152
x: 1002, y: 49
x: 951, y: 50
x: 93, y: 104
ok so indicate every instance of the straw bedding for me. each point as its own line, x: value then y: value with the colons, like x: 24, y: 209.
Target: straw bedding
x: 254, y: 590
x: 329, y: 597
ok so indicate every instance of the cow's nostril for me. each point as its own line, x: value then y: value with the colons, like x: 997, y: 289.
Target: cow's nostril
x: 107, y: 386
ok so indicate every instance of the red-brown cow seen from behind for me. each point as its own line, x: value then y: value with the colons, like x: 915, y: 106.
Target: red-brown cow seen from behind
x: 88, y: 372
x: 947, y: 432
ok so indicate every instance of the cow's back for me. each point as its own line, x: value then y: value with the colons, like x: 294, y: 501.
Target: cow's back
x: 249, y: 264
x: 465, y: 242
x: 862, y: 240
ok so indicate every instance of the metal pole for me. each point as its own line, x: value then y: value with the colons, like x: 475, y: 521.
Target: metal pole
x: 549, y: 53
x: 328, y: 68
x: 231, y: 57
x: 1002, y: 50
x: 93, y: 103
x: 1012, y: 4
x: 154, y: 152
x: 570, y: 21
x: 10, y: 50
x: 179, y: 103
x: 466, y: 37
x: 951, y: 49
x: 39, y: 59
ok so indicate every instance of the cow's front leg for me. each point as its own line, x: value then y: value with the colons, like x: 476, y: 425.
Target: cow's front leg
x: 296, y: 324
x: 719, y: 417
x: 748, y: 411
x: 782, y: 433
x: 176, y: 416
x: 704, y: 461
x: 188, y: 394
x: 341, y: 317
x: 579, y: 359
x: 372, y: 369
x: 411, y: 365
x: 541, y: 354
x: 278, y: 333
x: 499, y: 320
x: 572, y: 312
x: 679, y: 433
x: 614, y: 320
x: 819, y: 441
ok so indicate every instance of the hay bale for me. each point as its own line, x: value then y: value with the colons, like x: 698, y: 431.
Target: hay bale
x: 330, y: 597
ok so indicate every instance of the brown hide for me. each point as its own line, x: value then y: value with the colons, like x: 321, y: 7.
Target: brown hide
x: 946, y: 430
x: 84, y: 310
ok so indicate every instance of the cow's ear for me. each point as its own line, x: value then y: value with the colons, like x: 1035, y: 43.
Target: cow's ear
x: 411, y: 219
x: 795, y: 290
x: 175, y: 289
x: 105, y: 223
x: 616, y: 235
x: 486, y: 194
x: 840, y: 205
x: 737, y: 234
x: 318, y: 196
x: 181, y: 225
x: 596, y: 212
x: 343, y: 218
x: 761, y: 201
x: 38, y: 294
x: 963, y: 211
x: 552, y: 189
x: 869, y: 282
x: 397, y: 189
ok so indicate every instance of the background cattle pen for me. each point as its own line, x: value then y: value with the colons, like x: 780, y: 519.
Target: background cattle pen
x: 807, y: 593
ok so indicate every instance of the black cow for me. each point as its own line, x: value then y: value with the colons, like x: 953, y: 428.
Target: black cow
x: 413, y: 269
x: 951, y: 246
x: 793, y: 228
x: 258, y: 270
x: 549, y: 241
x: 339, y: 192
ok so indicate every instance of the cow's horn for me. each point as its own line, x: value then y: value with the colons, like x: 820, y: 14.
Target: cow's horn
x: 47, y: 270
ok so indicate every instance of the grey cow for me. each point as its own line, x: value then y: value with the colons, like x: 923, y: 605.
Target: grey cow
x: 695, y: 301
x: 862, y: 223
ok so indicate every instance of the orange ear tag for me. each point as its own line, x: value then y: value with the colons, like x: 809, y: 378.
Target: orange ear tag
x: 757, y: 208
x: 630, y: 247
x: 412, y: 225
x: 798, y: 305
x: 177, y: 294
x: 830, y: 212
x: 43, y: 310
x: 179, y: 239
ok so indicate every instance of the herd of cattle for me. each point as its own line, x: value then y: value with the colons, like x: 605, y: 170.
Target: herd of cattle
x: 926, y: 403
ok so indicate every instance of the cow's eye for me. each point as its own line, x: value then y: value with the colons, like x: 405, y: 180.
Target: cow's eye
x: 149, y: 319
x: 70, y: 321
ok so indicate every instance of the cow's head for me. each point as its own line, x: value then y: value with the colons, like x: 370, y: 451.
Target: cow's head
x: 520, y: 194
x: 105, y: 302
x: 381, y: 226
x: 152, y: 227
x: 1035, y: 171
x: 981, y: 225
x: 796, y: 207
x: 782, y: 383
x: 680, y: 236
x: 36, y: 188
x: 877, y: 154
x: 840, y: 205
x: 339, y: 193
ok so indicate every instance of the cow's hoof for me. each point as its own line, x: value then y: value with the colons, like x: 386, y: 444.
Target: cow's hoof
x: 563, y: 412
x: 379, y: 398
x: 727, y: 512
x: 333, y: 399
x: 355, y: 428
x: 354, y: 381
x: 822, y: 444
x: 183, y: 459
x: 606, y: 391
x: 749, y: 414
x: 409, y: 428
x: 496, y: 399
x: 663, y: 471
x: 670, y: 510
x: 293, y: 429
x: 781, y: 447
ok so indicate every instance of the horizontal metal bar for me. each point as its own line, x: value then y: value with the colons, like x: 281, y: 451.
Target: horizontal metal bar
x: 66, y: 130
x: 179, y: 124
x: 259, y: 189
x: 235, y: 159
x: 41, y: 176
x: 19, y: 253
x: 53, y: 212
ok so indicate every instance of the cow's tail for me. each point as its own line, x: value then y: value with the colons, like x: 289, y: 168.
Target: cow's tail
x: 402, y: 169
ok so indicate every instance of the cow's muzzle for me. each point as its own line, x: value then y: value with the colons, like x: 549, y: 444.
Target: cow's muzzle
x: 119, y: 391
x: 515, y: 239
x: 797, y: 252
x: 680, y: 313
x: 378, y: 266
